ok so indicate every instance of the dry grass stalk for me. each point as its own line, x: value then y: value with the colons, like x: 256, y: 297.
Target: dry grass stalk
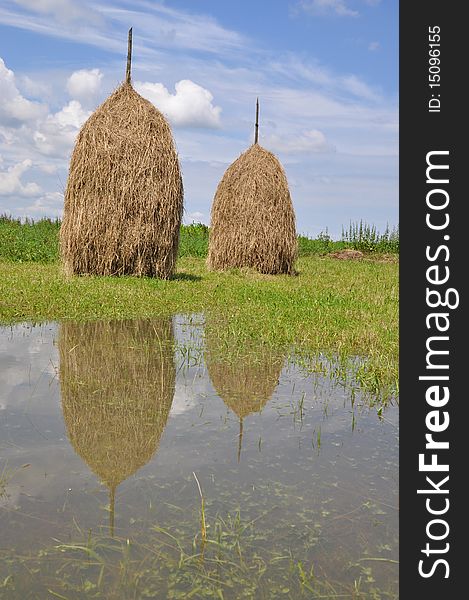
x: 117, y: 383
x: 124, y: 196
x: 252, y: 219
x: 203, y: 522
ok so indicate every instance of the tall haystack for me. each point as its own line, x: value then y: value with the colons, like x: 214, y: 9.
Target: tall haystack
x: 124, y: 196
x: 245, y: 380
x: 252, y: 220
x: 117, y: 382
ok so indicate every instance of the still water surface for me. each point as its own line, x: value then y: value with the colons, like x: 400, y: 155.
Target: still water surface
x: 104, y: 429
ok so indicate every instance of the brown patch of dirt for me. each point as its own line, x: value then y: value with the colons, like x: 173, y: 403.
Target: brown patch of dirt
x: 347, y: 254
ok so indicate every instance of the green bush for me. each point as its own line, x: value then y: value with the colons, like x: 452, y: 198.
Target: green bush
x: 29, y: 241
x: 366, y: 238
x: 193, y: 240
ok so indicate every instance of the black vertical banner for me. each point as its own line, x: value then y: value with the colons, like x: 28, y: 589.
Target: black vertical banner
x: 434, y: 236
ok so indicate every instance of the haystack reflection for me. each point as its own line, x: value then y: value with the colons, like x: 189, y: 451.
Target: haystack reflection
x: 244, y: 375
x: 117, y: 382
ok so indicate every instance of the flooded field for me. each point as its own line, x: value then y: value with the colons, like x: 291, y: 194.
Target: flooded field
x: 138, y: 459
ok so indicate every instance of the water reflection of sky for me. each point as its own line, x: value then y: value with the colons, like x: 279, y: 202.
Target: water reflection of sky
x: 300, y: 455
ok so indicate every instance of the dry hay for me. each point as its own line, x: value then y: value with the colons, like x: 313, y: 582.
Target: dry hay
x: 117, y: 382
x: 252, y: 219
x: 347, y: 254
x: 124, y: 196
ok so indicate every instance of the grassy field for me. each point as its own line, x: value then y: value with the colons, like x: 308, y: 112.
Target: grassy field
x: 341, y: 308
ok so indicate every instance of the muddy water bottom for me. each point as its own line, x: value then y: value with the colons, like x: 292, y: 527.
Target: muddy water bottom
x: 139, y: 459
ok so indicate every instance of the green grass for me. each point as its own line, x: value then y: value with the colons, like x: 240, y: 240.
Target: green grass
x: 193, y: 240
x: 37, y: 241
x: 341, y: 308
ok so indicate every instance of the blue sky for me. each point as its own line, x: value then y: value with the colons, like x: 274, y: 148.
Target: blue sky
x: 325, y: 71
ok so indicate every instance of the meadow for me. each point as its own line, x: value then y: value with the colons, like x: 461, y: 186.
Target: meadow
x: 341, y: 309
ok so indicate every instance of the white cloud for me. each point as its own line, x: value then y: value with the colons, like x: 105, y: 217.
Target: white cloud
x: 14, y: 108
x: 7, y: 135
x: 308, y: 142
x: 49, y: 204
x: 56, y: 135
x: 48, y: 168
x: 165, y: 26
x: 71, y: 115
x: 327, y: 7
x: 105, y: 25
x: 32, y: 87
x: 194, y: 217
x: 84, y: 83
x: 357, y: 87
x: 63, y: 11
x: 190, y: 106
x: 11, y: 184
x: 333, y: 84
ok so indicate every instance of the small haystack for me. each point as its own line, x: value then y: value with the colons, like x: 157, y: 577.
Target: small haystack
x: 117, y: 382
x: 253, y: 221
x: 347, y: 254
x: 244, y: 381
x: 124, y: 196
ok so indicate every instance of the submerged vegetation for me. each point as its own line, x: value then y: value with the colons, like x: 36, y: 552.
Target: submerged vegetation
x: 178, y: 563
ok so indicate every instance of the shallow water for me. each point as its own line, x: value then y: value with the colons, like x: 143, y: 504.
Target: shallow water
x: 102, y: 428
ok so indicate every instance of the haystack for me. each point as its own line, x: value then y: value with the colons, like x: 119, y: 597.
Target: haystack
x: 252, y: 220
x: 124, y: 196
x: 245, y: 380
x: 117, y: 383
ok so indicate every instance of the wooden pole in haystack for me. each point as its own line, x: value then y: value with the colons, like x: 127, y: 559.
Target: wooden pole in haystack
x: 256, y: 133
x: 129, y: 57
